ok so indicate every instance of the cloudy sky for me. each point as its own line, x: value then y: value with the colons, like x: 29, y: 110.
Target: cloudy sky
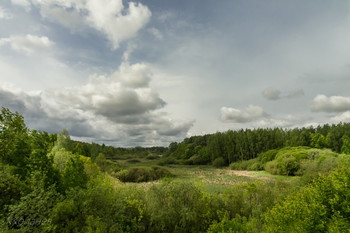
x: 147, y: 73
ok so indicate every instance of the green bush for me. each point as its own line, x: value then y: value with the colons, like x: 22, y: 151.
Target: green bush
x: 250, y: 165
x: 322, y: 206
x: 302, y: 161
x: 166, y: 161
x: 133, y: 161
x: 177, y: 207
x: 152, y: 157
x: 236, y: 224
x: 268, y: 156
x: 142, y: 174
x: 219, y: 162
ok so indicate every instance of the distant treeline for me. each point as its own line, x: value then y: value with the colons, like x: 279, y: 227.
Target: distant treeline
x: 93, y: 150
x: 233, y: 146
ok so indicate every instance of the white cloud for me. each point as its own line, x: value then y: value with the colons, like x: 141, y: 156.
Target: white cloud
x: 117, y: 22
x: 4, y: 14
x: 343, y: 117
x: 117, y: 26
x: 69, y: 19
x: 23, y: 3
x: 281, y: 121
x: 125, y: 92
x: 120, y: 107
x: 322, y: 103
x: 28, y: 43
x: 248, y: 114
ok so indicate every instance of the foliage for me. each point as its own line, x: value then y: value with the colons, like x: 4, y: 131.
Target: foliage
x: 219, y: 162
x: 323, y: 206
x: 250, y: 165
x: 49, y: 183
x: 11, y: 188
x: 176, y: 207
x: 153, y: 157
x: 234, y: 225
x: 142, y: 174
x: 236, y: 146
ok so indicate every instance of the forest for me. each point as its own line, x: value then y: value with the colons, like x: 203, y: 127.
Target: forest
x: 252, y: 180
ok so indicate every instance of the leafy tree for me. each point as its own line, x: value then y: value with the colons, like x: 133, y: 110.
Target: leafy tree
x: 32, y: 212
x: 11, y: 188
x: 74, y: 174
x: 323, y: 206
x: 14, y: 140
x: 319, y: 141
x: 346, y: 144
x: 219, y: 162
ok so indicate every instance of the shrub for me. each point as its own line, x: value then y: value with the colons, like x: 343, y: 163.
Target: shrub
x: 268, y: 156
x: 251, y: 165
x: 237, y: 224
x: 177, y: 207
x: 323, y: 206
x: 166, y: 161
x: 133, y: 161
x: 142, y: 174
x: 198, y: 160
x: 153, y: 157
x: 219, y: 162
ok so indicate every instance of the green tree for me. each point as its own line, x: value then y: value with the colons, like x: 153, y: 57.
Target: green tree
x: 74, y: 174
x: 346, y: 144
x: 14, y: 140
x: 319, y: 140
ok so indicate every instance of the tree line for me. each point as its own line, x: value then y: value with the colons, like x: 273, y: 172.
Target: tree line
x: 233, y: 146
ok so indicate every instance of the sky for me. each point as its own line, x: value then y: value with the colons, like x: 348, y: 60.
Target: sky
x: 147, y: 73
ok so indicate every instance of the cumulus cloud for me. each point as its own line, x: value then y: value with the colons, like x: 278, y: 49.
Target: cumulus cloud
x: 343, y: 117
x: 281, y: 121
x: 116, y: 21
x: 28, y: 44
x: 121, y: 107
x: 322, y: 103
x: 258, y: 118
x: 124, y: 93
x: 248, y: 114
x: 275, y: 94
x: 23, y: 3
x: 68, y: 19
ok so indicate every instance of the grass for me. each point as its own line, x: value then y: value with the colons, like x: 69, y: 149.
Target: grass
x: 209, y: 178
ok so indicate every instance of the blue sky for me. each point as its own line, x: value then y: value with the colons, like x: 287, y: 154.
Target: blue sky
x: 148, y: 73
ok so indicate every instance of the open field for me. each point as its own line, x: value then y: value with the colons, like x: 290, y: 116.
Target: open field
x: 209, y: 178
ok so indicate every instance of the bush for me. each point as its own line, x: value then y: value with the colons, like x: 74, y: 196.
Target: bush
x: 133, y: 161
x: 198, y: 160
x: 177, y: 207
x: 166, y: 161
x: 219, y: 162
x: 142, y: 174
x: 323, y: 206
x: 153, y: 157
x: 250, y: 165
x: 268, y: 156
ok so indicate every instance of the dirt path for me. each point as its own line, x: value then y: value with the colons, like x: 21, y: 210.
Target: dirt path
x: 249, y: 174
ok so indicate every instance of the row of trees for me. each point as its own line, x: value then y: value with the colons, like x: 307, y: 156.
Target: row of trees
x: 247, y: 144
x: 93, y: 150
